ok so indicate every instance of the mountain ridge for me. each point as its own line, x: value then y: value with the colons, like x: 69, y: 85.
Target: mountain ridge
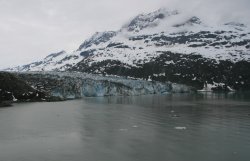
x: 146, y: 38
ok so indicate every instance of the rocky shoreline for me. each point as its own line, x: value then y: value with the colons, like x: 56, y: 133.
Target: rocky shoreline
x: 14, y: 89
x: 60, y: 86
x: 5, y: 104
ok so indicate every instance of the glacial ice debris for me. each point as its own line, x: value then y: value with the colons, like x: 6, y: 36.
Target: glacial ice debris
x: 216, y: 86
x: 181, y: 128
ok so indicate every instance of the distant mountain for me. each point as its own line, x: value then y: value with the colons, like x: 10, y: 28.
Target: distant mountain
x: 166, y: 46
x: 54, y: 61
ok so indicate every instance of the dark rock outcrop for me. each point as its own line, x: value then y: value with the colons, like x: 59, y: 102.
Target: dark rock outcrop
x: 13, y: 89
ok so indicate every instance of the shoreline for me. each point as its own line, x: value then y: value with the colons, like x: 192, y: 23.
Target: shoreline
x: 4, y: 104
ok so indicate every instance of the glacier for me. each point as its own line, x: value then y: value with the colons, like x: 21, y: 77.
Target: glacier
x: 73, y: 85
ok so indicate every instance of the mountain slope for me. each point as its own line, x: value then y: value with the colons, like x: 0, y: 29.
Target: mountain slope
x: 12, y: 88
x: 52, y: 62
x: 164, y: 45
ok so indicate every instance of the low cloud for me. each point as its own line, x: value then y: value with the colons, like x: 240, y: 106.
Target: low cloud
x: 215, y: 11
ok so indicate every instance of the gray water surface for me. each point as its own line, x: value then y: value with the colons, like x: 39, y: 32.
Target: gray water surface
x: 178, y: 127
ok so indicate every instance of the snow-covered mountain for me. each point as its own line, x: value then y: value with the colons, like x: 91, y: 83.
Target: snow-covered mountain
x: 54, y: 61
x: 162, y: 45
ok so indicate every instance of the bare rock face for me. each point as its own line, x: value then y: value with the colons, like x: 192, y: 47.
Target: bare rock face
x: 14, y: 89
x: 97, y: 38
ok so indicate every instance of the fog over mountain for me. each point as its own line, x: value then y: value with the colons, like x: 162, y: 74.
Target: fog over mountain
x: 30, y: 30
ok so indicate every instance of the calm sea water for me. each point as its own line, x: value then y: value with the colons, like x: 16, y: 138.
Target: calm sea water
x: 178, y: 127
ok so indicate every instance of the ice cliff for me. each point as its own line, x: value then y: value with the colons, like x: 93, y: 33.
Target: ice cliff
x: 68, y: 85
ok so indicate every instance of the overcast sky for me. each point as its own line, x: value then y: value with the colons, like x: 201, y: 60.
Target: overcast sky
x: 32, y: 29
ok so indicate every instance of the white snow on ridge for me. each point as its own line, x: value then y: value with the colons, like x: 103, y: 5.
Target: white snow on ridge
x: 50, y: 63
x: 163, y: 25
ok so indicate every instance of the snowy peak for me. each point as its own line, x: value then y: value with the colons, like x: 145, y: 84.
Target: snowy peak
x: 145, y: 38
x: 97, y: 38
x: 47, y: 63
x: 54, y: 55
x: 192, y: 21
x: 235, y: 24
x: 143, y: 21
